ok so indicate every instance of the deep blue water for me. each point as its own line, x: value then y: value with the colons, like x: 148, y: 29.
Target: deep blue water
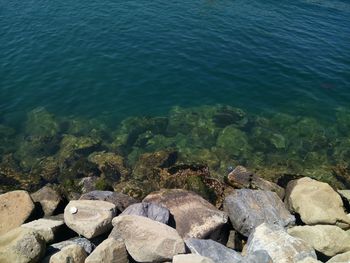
x: 119, y: 58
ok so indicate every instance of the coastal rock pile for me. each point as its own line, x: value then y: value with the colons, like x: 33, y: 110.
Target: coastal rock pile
x: 255, y: 225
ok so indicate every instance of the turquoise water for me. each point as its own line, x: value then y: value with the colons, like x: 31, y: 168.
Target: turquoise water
x: 117, y: 59
x: 63, y: 63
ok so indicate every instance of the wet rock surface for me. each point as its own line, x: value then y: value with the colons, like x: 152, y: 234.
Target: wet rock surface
x: 249, y: 208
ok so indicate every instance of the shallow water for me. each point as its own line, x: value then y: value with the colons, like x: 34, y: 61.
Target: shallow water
x: 110, y: 60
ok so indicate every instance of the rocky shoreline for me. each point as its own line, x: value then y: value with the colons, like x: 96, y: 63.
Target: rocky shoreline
x: 256, y: 221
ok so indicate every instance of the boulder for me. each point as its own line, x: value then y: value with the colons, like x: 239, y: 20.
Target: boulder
x: 83, y: 242
x: 259, y: 256
x: 309, y: 260
x: 150, y: 210
x: 21, y: 245
x: 121, y: 201
x: 147, y: 240
x: 241, y: 177
x: 194, y: 216
x: 340, y: 258
x: 281, y: 247
x: 72, y: 253
x: 109, y: 251
x: 316, y: 202
x: 191, y: 258
x: 249, y: 208
x: 15, y: 209
x: 327, y: 239
x: 48, y: 198
x: 213, y: 250
x: 47, y: 228
x: 89, y: 218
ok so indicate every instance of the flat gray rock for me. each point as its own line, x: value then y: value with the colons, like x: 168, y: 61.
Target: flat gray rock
x: 249, y: 208
x: 150, y: 210
x: 121, y: 201
x: 259, y: 256
x: 213, y: 250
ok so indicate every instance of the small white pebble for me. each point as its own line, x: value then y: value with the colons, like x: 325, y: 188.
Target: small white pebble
x: 73, y: 210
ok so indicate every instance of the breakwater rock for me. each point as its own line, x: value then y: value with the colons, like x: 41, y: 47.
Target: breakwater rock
x: 177, y: 225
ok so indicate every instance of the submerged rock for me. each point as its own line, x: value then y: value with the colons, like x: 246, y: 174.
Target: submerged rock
x: 147, y: 240
x: 194, y: 217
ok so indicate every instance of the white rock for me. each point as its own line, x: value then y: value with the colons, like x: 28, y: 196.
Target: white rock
x: 71, y: 253
x: 328, y: 239
x: 316, y: 202
x: 90, y: 218
x: 147, y: 240
x: 281, y: 247
x: 341, y: 258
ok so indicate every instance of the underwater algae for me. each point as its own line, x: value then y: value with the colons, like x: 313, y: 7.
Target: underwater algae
x: 190, y: 148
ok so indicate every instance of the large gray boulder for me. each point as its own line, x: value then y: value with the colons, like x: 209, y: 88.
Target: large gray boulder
x: 150, y: 210
x: 109, y: 251
x: 191, y: 258
x: 72, y: 253
x: 48, y: 198
x: 213, y: 250
x: 47, y: 228
x: 316, y: 202
x: 89, y: 218
x: 121, y: 201
x: 147, y: 240
x: 21, y: 245
x: 194, y: 216
x: 249, y: 208
x: 15, y: 209
x: 281, y: 247
x: 327, y: 239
